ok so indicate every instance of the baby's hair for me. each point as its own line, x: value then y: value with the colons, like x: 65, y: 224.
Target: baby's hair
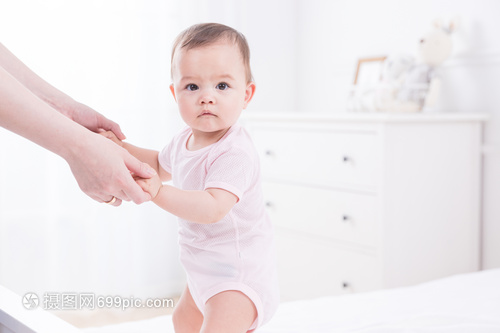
x: 205, y: 34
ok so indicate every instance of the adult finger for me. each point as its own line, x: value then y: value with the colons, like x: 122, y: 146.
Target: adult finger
x: 135, y: 192
x: 110, y: 125
x: 131, y: 188
x: 113, y: 201
x: 115, y: 128
x: 138, y: 168
x: 123, y: 196
x: 116, y: 203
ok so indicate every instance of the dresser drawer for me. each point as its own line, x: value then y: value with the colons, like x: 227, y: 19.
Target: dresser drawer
x: 336, y: 215
x: 319, y: 157
x: 310, y: 268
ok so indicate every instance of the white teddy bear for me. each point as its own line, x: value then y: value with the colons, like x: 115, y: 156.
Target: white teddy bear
x: 409, y: 85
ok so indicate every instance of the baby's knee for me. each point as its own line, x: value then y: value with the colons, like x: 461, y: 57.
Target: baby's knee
x: 179, y: 320
x: 185, y: 322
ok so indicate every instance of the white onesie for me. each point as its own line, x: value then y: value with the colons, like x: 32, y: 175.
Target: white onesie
x: 237, y: 252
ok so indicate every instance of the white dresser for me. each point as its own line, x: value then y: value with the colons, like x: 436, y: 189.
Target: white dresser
x: 369, y: 201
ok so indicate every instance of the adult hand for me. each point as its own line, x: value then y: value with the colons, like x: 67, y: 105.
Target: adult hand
x: 104, y: 169
x: 91, y: 119
x: 28, y: 107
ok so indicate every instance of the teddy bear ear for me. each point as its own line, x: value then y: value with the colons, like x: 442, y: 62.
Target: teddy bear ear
x: 454, y: 24
x: 451, y: 27
x: 438, y: 23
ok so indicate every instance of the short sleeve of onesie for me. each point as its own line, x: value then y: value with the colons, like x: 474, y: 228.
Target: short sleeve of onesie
x: 164, y: 158
x: 232, y: 171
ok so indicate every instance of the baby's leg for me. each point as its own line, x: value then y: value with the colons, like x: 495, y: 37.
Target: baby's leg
x: 229, y: 311
x: 186, y: 317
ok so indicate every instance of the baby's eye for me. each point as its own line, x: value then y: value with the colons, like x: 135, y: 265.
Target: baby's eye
x: 222, y: 86
x: 192, y: 87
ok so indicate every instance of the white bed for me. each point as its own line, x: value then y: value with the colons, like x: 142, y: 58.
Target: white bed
x: 467, y: 303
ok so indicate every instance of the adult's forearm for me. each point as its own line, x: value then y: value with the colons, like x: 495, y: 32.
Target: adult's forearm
x: 24, y: 113
x: 45, y: 91
x: 29, y: 107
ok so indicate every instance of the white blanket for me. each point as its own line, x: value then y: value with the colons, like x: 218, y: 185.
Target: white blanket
x: 468, y: 303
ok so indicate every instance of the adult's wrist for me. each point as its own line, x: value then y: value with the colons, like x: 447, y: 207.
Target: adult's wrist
x: 77, y: 143
x: 61, y: 102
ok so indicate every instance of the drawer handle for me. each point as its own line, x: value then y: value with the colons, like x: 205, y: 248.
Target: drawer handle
x: 269, y: 153
x: 269, y: 204
x: 346, y: 218
x: 346, y: 159
x: 345, y: 285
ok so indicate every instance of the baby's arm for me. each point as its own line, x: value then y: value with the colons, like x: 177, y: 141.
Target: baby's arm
x: 204, y: 207
x: 144, y: 155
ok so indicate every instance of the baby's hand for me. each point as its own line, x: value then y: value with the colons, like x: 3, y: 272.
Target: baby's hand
x: 110, y: 135
x: 151, y: 185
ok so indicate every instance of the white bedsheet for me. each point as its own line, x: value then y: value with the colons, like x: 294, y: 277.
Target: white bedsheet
x: 468, y: 303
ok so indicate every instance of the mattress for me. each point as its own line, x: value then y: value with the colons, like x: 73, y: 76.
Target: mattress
x: 457, y: 304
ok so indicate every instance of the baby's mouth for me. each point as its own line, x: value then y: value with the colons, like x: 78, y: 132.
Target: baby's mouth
x: 207, y: 113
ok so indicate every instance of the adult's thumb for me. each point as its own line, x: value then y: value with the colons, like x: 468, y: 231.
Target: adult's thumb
x: 139, y: 168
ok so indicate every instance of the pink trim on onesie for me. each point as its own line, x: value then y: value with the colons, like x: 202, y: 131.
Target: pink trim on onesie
x: 249, y: 292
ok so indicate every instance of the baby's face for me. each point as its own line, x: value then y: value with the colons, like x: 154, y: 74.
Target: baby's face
x: 210, y: 86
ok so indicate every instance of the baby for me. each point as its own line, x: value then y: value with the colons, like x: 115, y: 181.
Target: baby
x: 225, y: 236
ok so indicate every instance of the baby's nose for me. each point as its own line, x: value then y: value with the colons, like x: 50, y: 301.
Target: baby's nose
x: 207, y: 98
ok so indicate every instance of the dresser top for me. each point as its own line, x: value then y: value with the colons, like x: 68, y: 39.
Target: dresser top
x: 364, y: 117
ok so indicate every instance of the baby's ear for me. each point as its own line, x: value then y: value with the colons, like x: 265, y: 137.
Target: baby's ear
x: 173, y: 91
x: 250, y: 91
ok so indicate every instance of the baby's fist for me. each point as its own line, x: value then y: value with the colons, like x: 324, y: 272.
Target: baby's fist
x: 151, y: 185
